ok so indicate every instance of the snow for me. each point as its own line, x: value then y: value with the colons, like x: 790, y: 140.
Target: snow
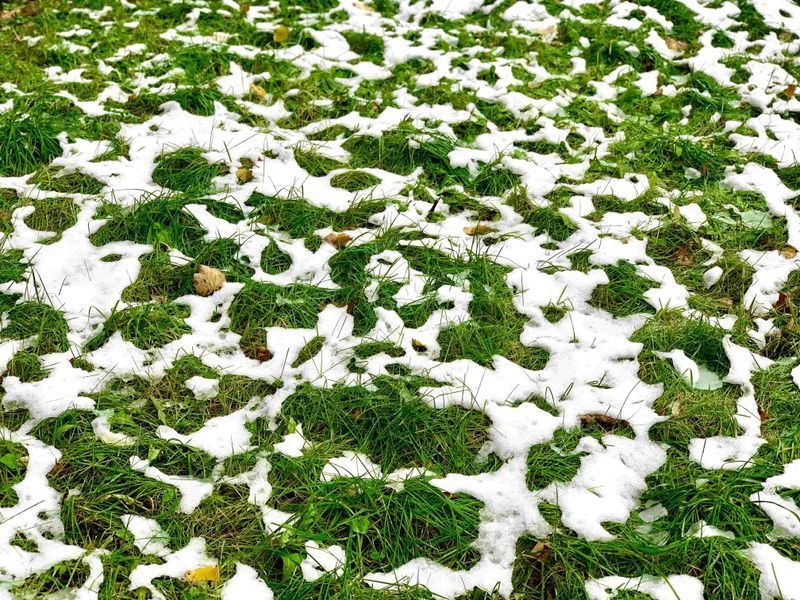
x: 593, y: 366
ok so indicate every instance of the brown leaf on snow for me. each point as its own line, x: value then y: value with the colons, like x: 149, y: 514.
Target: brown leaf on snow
x: 479, y: 229
x: 789, y: 252
x: 208, y: 280
x: 676, y: 45
x: 790, y: 90
x: 338, y: 240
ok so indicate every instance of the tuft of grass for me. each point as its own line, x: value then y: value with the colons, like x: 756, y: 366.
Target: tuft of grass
x: 53, y: 214
x: 34, y: 319
x: 353, y: 181
x: 26, y: 142
x: 146, y: 326
x: 54, y: 179
x: 186, y: 170
x: 392, y: 425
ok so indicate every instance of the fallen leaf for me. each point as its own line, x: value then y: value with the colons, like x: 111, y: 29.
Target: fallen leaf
x: 281, y: 34
x: 203, y: 574
x: 479, y: 229
x: 208, y: 280
x: 789, y: 252
x: 782, y: 303
x: 258, y: 91
x: 541, y: 551
x: 338, y: 240
x: 603, y: 421
x: 683, y: 256
x: 244, y: 175
x: 418, y: 346
x: 676, y: 45
x: 790, y: 90
x: 263, y: 354
x: 363, y: 6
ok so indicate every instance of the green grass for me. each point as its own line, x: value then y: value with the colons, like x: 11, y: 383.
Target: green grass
x: 185, y: 170
x: 466, y: 76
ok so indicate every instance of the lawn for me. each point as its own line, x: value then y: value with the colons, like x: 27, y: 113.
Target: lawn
x: 365, y: 299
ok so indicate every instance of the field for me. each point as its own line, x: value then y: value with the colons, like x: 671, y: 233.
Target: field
x: 365, y: 299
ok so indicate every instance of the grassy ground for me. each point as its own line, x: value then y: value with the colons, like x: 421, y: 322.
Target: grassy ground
x: 461, y: 106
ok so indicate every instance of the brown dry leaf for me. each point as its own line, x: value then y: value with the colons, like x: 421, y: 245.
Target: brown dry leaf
x: 782, y: 303
x: 244, y: 174
x: 258, y: 91
x: 676, y: 45
x: 418, y: 346
x: 479, y: 230
x: 29, y: 9
x: 338, y: 240
x: 203, y: 575
x: 790, y: 90
x: 541, y: 551
x: 263, y: 354
x: 789, y: 252
x: 683, y: 256
x: 603, y: 421
x: 208, y: 280
x: 281, y: 34
x: 6, y: 15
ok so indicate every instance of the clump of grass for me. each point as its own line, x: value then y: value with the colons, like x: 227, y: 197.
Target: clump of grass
x: 392, y: 425
x: 300, y: 218
x: 353, y: 181
x: 186, y: 170
x: 26, y: 366
x: 147, y: 326
x: 369, y: 46
x: 316, y: 164
x: 11, y: 266
x: 55, y: 180
x: 33, y: 319
x: 274, y: 260
x: 26, y: 142
x: 53, y: 214
x: 622, y: 295
x: 12, y: 470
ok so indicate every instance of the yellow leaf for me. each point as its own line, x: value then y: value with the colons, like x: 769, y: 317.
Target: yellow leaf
x: 203, y: 574
x: 789, y: 252
x: 479, y: 230
x: 258, y: 91
x: 281, y: 34
x: 244, y: 175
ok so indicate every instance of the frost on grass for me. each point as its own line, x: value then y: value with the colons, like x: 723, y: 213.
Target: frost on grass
x: 444, y: 298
